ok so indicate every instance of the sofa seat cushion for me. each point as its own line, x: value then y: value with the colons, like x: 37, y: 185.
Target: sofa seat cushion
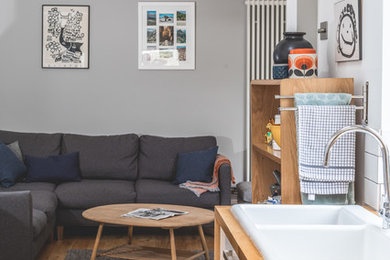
x: 39, y: 221
x: 164, y: 192
x: 34, y: 144
x: 104, y: 157
x: 45, y: 201
x: 91, y: 193
x: 158, y: 155
x: 20, y: 186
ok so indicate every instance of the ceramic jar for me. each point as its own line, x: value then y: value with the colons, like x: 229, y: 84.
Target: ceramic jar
x: 292, y: 40
x: 302, y: 63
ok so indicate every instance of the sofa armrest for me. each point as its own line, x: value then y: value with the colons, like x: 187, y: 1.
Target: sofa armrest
x: 16, y: 225
x: 225, y: 178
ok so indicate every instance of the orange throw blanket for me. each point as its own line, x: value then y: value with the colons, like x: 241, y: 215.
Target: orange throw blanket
x: 201, y: 187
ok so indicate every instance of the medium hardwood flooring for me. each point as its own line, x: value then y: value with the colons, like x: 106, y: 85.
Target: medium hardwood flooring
x: 84, y: 238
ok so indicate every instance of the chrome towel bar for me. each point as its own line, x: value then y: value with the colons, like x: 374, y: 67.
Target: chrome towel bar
x: 364, y: 96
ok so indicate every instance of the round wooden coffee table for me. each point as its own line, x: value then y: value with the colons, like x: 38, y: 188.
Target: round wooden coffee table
x: 112, y: 214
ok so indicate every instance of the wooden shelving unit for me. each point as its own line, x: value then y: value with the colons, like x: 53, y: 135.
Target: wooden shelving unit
x: 264, y: 106
x: 267, y: 151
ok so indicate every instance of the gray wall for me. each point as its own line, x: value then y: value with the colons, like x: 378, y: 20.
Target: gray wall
x: 113, y: 96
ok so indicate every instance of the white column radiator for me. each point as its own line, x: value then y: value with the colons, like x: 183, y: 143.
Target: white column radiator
x: 266, y: 23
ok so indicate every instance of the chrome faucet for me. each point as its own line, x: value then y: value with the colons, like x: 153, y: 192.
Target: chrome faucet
x: 385, y: 210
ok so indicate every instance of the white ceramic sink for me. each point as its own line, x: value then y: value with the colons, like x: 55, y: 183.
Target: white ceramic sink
x: 314, y: 232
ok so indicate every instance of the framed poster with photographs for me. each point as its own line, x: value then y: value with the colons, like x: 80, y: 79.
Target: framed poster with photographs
x: 65, y: 36
x: 348, y: 30
x: 166, y: 35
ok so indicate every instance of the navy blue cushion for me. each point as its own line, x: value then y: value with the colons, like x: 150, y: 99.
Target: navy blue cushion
x: 195, y: 166
x: 11, y: 168
x: 58, y: 168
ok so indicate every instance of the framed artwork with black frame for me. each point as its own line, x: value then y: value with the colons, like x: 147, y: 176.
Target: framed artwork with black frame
x: 65, y: 36
x: 348, y: 15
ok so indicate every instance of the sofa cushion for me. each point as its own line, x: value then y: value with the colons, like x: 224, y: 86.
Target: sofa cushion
x: 45, y: 201
x: 92, y: 193
x: 58, y: 168
x: 39, y: 221
x: 11, y: 168
x: 158, y: 155
x: 104, y: 157
x: 73, y: 217
x: 20, y: 186
x: 156, y: 191
x: 15, y: 148
x: 195, y: 166
x: 34, y: 144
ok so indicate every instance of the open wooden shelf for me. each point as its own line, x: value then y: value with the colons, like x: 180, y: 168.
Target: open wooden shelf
x: 267, y: 151
x: 258, y: 82
x: 264, y: 106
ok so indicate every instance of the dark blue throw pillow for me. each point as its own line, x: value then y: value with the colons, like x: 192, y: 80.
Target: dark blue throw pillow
x: 60, y: 168
x: 11, y: 168
x: 195, y: 166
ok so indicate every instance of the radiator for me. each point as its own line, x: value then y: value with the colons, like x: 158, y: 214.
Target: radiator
x: 266, y: 23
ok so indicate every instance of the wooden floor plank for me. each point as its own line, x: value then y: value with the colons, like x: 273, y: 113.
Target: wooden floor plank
x: 185, y: 240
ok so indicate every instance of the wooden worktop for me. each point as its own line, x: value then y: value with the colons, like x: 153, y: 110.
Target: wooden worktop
x: 240, y: 241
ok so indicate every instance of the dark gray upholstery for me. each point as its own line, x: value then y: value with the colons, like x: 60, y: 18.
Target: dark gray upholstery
x: 30, y: 186
x: 39, y: 242
x: 16, y: 225
x: 104, y: 157
x: 73, y: 217
x: 156, y: 191
x: 224, y: 178
x: 92, y: 193
x: 35, y: 144
x: 45, y: 201
x: 39, y: 221
x: 157, y: 155
x: 109, y: 167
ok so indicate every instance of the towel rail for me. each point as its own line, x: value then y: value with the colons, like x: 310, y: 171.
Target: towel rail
x: 364, y: 96
x: 295, y: 108
x: 291, y: 97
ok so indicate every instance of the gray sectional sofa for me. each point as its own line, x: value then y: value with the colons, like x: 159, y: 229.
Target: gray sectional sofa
x: 114, y: 169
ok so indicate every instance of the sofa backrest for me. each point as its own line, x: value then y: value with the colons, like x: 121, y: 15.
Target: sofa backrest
x: 157, y: 155
x: 35, y: 144
x: 104, y: 157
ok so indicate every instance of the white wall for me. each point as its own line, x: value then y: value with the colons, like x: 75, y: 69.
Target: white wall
x: 301, y: 16
x: 307, y: 20
x: 368, y: 69
x: 113, y: 96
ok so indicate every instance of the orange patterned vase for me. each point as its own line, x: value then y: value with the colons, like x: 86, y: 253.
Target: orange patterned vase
x: 302, y: 63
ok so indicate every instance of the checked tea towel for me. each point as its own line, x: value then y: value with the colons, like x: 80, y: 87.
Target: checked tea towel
x: 315, y: 126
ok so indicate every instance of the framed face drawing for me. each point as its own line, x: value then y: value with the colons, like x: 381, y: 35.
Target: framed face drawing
x: 166, y: 35
x: 65, y: 36
x: 348, y: 31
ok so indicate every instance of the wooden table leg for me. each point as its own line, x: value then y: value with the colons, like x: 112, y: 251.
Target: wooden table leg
x: 130, y: 233
x: 204, y: 243
x: 95, y: 247
x: 217, y: 241
x: 173, y: 245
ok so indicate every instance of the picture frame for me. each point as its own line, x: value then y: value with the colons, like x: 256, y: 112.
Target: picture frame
x: 166, y: 35
x: 65, y: 36
x: 348, y: 16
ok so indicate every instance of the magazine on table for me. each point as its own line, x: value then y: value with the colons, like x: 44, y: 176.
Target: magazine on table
x: 155, y: 214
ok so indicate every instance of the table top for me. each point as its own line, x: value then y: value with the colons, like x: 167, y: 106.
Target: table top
x: 111, y: 214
